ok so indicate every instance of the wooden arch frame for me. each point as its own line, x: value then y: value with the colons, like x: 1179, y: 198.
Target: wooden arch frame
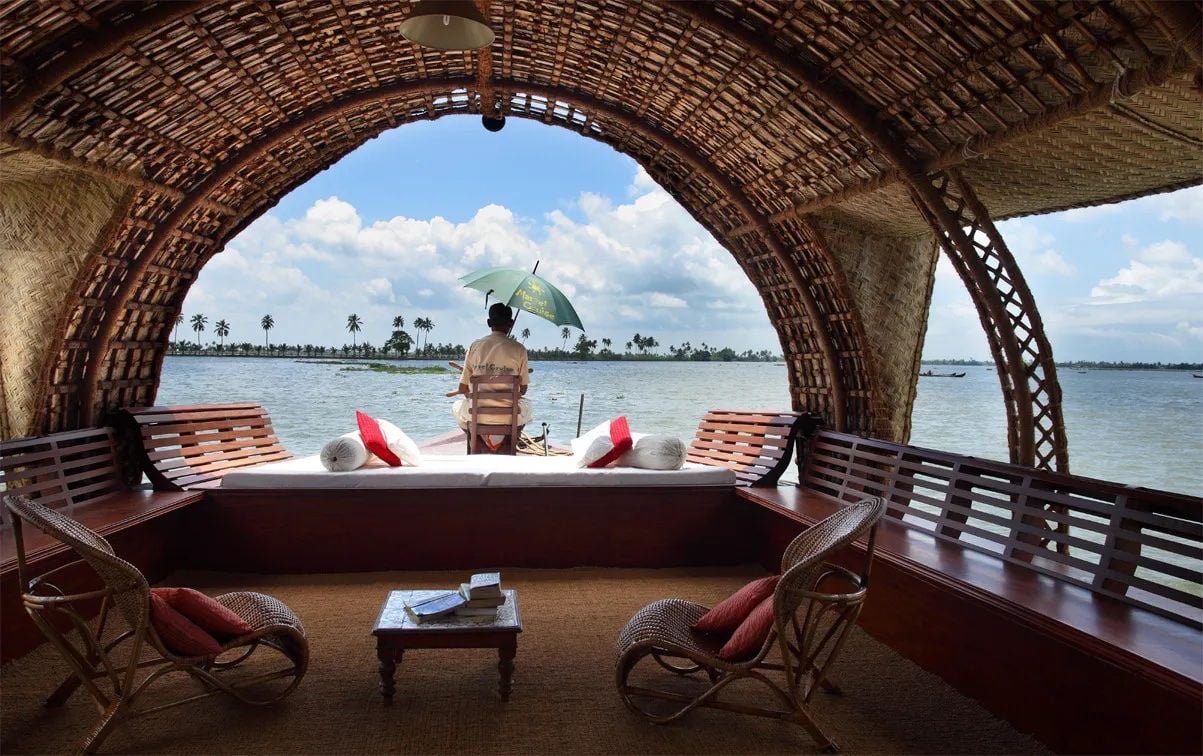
x: 832, y: 381
x: 945, y: 198
x: 1005, y: 305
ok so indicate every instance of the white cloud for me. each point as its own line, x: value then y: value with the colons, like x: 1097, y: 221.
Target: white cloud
x: 380, y: 291
x: 1159, y: 272
x: 660, y: 299
x: 1085, y: 214
x: 1184, y: 205
x: 634, y: 264
x: 1034, y: 248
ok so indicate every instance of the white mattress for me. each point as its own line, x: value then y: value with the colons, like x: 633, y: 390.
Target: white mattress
x: 464, y: 471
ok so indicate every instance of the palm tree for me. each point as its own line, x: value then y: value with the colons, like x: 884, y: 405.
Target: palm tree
x: 178, y: 319
x: 565, y: 333
x: 198, y: 325
x: 266, y: 323
x: 427, y: 326
x: 628, y: 347
x: 222, y: 329
x: 398, y: 323
x: 606, y: 343
x: 354, y: 325
x: 525, y: 334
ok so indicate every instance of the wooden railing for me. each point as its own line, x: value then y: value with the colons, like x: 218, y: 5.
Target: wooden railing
x: 1138, y: 545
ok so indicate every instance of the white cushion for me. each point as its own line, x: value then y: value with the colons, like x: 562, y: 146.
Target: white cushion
x: 345, y: 453
x: 400, y: 443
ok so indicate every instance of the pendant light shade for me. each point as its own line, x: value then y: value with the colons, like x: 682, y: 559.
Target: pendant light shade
x: 447, y: 25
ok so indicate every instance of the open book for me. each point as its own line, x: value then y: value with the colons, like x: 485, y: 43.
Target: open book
x: 433, y: 608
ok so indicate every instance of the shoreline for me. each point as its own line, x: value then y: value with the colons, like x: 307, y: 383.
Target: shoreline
x: 1089, y: 366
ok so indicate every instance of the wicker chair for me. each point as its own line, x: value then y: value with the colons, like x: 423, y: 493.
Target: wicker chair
x: 110, y: 673
x: 815, y: 604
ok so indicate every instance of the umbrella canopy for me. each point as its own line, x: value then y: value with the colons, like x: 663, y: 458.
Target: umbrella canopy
x: 525, y: 291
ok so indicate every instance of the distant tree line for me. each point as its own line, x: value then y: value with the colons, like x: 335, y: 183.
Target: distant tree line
x: 399, y: 344
x: 402, y: 345
x: 1089, y: 364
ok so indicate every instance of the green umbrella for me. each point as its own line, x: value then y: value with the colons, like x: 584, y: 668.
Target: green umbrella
x: 525, y: 291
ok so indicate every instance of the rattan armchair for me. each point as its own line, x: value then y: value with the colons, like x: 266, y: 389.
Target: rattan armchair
x: 119, y: 671
x: 815, y: 604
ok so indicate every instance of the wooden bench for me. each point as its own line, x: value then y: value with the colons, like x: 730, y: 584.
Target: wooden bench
x: 758, y: 446
x: 78, y: 473
x: 192, y: 447
x: 1064, y: 584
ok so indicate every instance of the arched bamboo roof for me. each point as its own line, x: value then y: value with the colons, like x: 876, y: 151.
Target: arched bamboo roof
x: 832, y: 147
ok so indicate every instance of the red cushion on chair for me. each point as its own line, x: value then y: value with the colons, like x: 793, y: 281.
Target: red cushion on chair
x: 204, y: 612
x: 373, y: 438
x: 751, y: 633
x: 620, y: 437
x: 733, y: 610
x: 179, y: 634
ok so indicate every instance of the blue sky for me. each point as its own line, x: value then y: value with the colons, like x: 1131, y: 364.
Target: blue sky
x: 388, y: 230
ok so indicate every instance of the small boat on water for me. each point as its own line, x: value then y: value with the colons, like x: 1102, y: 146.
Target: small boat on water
x: 1197, y: 375
x: 930, y: 374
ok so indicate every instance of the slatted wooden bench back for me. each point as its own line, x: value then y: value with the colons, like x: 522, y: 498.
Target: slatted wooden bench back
x: 758, y: 446
x: 1137, y: 545
x: 190, y: 447
x: 61, y: 471
x: 503, y: 390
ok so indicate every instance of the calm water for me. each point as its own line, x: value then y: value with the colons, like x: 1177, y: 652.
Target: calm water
x: 1138, y: 427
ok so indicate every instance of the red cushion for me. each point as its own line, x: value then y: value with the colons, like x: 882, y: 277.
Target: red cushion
x: 733, y: 610
x: 620, y: 436
x: 373, y: 438
x: 179, y: 634
x: 751, y: 633
x: 204, y: 612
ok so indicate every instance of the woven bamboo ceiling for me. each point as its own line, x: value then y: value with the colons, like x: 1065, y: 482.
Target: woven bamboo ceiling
x: 137, y: 138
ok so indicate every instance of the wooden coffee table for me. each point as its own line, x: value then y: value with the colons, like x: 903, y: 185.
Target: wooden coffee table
x: 396, y: 633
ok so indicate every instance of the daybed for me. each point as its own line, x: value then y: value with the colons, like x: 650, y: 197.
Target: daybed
x: 469, y: 471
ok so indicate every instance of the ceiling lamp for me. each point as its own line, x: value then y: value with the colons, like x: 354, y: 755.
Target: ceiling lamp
x: 447, y: 25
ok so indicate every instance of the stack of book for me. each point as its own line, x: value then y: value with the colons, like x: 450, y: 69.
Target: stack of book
x: 482, y: 595
x: 479, y: 597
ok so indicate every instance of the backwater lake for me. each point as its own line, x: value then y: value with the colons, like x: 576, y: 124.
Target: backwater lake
x: 1142, y: 428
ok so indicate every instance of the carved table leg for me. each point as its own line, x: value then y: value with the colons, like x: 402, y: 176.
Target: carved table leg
x: 506, y: 667
x: 388, y: 667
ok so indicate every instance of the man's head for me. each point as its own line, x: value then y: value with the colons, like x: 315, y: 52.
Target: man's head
x: 501, y: 318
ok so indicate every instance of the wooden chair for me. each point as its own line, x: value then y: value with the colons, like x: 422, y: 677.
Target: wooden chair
x: 493, y: 421
x: 815, y: 604
x: 113, y: 674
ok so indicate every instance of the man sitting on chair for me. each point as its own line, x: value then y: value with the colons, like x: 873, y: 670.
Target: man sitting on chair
x: 495, y: 354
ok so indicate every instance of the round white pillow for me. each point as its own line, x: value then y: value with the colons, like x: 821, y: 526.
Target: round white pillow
x: 655, y: 452
x: 345, y: 453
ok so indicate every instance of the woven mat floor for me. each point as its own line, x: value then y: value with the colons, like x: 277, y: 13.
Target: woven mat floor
x: 563, y: 699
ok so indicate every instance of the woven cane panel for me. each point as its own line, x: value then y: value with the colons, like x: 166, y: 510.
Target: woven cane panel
x: 889, y: 279
x: 888, y: 212
x: 1094, y: 158
x: 50, y: 220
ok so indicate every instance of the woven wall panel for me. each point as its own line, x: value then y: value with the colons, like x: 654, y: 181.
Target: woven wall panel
x: 50, y: 221
x: 889, y: 279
